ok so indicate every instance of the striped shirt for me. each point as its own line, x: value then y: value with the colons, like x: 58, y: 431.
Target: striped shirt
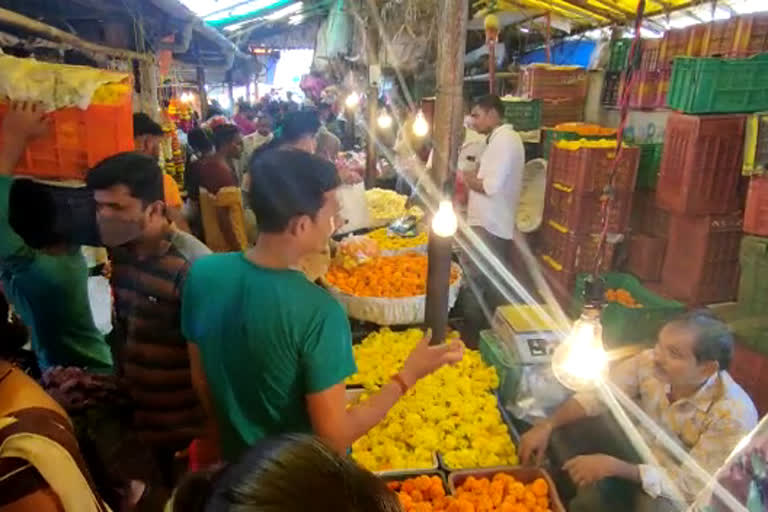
x: 152, y: 351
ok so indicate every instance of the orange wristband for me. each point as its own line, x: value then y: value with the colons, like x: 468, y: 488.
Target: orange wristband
x: 400, y: 382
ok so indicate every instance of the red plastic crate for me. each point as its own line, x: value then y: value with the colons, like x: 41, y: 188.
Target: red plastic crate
x: 542, y: 82
x: 588, y: 169
x: 720, y: 38
x: 572, y: 254
x: 649, y: 59
x: 701, y: 265
x: 647, y: 217
x: 78, y: 140
x: 751, y: 35
x: 663, y: 88
x: 646, y: 256
x: 746, y: 368
x: 756, y: 211
x: 675, y: 43
x: 644, y: 92
x: 582, y: 213
x: 701, y: 164
x: 563, y: 110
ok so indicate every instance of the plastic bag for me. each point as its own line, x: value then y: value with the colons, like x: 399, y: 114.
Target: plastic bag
x: 355, y: 250
x: 538, y: 394
x: 354, y: 208
x: 100, y: 298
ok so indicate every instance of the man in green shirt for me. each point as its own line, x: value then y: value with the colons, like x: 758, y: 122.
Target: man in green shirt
x: 271, y: 350
x: 47, y: 283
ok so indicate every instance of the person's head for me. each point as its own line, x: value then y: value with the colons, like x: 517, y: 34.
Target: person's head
x: 325, y: 112
x: 300, y: 129
x: 290, y: 473
x: 293, y: 194
x: 128, y: 190
x: 147, y: 135
x: 691, y: 348
x: 32, y: 214
x: 199, y: 141
x: 228, y: 141
x: 487, y: 113
x: 264, y: 125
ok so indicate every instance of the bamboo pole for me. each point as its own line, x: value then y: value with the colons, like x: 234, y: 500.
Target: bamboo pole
x: 19, y: 20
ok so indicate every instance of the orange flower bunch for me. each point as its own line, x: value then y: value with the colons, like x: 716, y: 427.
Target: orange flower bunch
x: 623, y: 297
x: 502, y: 494
x: 404, y: 275
x: 421, y: 494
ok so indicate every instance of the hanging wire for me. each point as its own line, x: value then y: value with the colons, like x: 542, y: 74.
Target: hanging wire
x: 609, y: 194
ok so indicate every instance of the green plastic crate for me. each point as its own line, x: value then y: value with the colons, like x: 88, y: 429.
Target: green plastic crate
x: 508, y: 366
x: 619, y: 54
x: 753, y: 283
x: 714, y: 85
x: 622, y: 325
x: 523, y: 115
x: 650, y: 162
x: 552, y: 136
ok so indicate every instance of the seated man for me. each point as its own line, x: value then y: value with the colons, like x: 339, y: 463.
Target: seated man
x: 683, y: 386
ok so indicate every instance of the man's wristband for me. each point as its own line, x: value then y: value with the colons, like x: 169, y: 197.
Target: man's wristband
x: 398, y: 379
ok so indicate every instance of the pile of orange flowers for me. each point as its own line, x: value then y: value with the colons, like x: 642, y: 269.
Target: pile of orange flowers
x: 623, y: 297
x: 404, y: 275
x: 504, y: 494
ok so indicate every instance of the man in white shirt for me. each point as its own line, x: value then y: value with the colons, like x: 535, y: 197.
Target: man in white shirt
x: 494, y: 192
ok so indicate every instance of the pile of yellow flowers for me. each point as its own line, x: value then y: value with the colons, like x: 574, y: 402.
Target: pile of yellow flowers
x: 111, y: 94
x: 388, y: 242
x: 385, y: 205
x: 452, y: 411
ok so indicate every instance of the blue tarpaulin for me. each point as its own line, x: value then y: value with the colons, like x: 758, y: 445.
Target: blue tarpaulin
x: 567, y: 53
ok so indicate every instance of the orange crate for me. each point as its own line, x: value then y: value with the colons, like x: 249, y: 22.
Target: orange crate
x: 674, y: 44
x: 78, y: 140
x: 649, y: 58
x: 751, y: 35
x: 720, y: 37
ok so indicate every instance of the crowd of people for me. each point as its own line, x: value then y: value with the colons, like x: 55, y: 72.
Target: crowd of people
x: 223, y: 350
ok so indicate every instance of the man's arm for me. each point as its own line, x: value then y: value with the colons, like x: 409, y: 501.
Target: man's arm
x: 340, y: 426
x: 23, y: 121
x: 202, y: 390
x: 175, y: 216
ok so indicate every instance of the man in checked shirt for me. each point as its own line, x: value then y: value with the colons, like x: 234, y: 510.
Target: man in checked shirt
x: 683, y: 386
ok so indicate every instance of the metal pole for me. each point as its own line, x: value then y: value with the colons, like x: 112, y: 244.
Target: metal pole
x: 372, y: 47
x: 203, y: 93
x: 447, y: 123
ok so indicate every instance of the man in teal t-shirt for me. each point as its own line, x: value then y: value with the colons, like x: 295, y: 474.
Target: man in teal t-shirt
x: 48, y: 287
x: 270, y: 349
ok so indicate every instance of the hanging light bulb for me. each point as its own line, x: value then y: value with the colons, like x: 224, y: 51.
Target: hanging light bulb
x: 420, y: 125
x: 444, y: 223
x: 186, y: 97
x: 384, y: 120
x: 353, y: 100
x: 579, y: 361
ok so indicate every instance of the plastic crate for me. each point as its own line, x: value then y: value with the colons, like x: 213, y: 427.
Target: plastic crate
x: 648, y: 168
x: 619, y: 54
x: 644, y: 89
x: 753, y: 283
x: 675, y: 43
x: 719, y: 38
x: 756, y: 210
x: 701, y: 164
x: 77, y: 141
x: 588, y: 169
x: 701, y: 265
x: 523, y: 115
x: 580, y: 214
x: 569, y: 254
x: 646, y: 215
x: 756, y: 144
x: 610, y: 93
x: 751, y: 35
x: 623, y: 325
x: 646, y: 256
x: 649, y: 58
x: 508, y: 367
x: 542, y: 81
x: 552, y: 135
x: 713, y: 85
x: 563, y: 110
x: 522, y: 474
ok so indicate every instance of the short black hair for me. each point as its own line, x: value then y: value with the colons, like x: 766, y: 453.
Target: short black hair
x: 140, y: 173
x: 144, y: 125
x: 224, y: 134
x: 287, y: 183
x: 199, y: 141
x: 298, y: 125
x: 713, y: 339
x: 490, y: 102
x: 32, y: 214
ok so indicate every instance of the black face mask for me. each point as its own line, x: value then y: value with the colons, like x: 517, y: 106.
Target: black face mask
x: 116, y: 232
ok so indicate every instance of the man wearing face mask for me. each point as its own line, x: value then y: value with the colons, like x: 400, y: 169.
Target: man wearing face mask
x: 150, y: 263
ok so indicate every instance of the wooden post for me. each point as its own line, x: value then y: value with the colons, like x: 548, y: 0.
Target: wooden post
x: 203, y: 93
x: 449, y: 104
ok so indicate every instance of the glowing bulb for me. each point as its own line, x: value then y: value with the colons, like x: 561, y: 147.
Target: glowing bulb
x: 385, y: 120
x: 580, y: 360
x: 186, y: 97
x: 420, y: 125
x: 444, y: 223
x: 353, y: 100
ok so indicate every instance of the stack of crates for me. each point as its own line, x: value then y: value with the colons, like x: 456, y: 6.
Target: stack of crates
x: 575, y: 206
x: 562, y: 91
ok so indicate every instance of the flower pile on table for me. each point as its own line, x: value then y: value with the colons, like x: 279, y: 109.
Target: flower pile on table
x: 452, y: 411
x: 391, y: 242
